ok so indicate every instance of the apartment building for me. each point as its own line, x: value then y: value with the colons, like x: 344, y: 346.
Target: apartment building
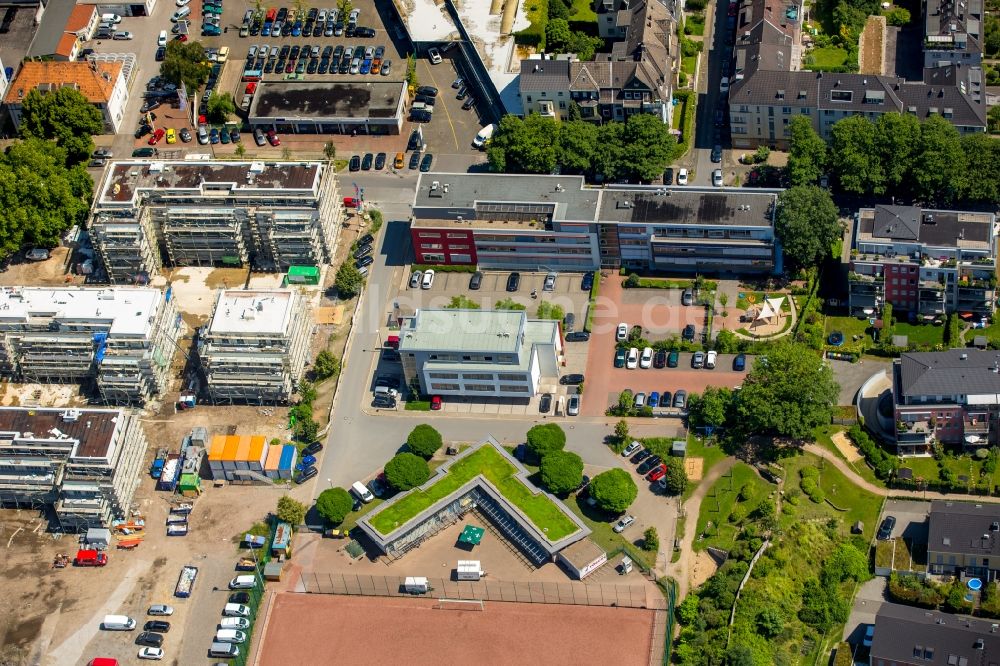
x: 929, y: 262
x: 103, y: 83
x: 635, y: 77
x: 255, y: 347
x: 908, y: 636
x: 64, y: 27
x: 949, y: 397
x: 479, y: 353
x: 268, y: 215
x: 123, y: 339
x: 953, y: 33
x: 84, y: 463
x: 964, y: 539
x: 557, y: 223
x: 769, y: 86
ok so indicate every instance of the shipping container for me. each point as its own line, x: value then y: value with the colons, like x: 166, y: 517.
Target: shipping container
x: 258, y: 451
x: 272, y: 460
x: 289, y: 456
x: 171, y: 472
x: 243, y: 453
x: 216, y: 448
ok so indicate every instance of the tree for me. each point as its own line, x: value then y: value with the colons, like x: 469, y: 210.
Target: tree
x: 608, y: 152
x: 65, y: 116
x: 613, y: 490
x: 993, y: 116
x: 573, y: 112
x: 576, y: 144
x: 220, y: 107
x: 897, y: 135
x: 651, y: 148
x: 345, y: 8
x: 348, y: 280
x: 545, y: 438
x: 334, y: 504
x: 807, y: 155
x: 584, y: 45
x: 547, y: 310
x: 557, y: 35
x: 240, y: 151
x: 806, y: 222
x: 632, y: 281
x: 846, y: 562
x: 953, y: 331
x: 185, y: 63
x: 676, y: 478
x: 787, y: 394
x: 854, y: 158
x: 406, y: 471
x: 621, y: 430
x: 562, y: 471
x: 424, y: 441
x: 462, y: 303
x: 939, y: 165
x: 897, y: 16
x: 739, y: 655
x: 509, y: 304
x: 650, y: 540
x: 626, y: 402
x: 710, y: 408
x: 306, y: 430
x: 982, y: 177
x: 770, y: 622
x: 307, y: 391
x: 524, y: 146
x: 326, y: 365
x: 329, y: 151
x: 291, y: 511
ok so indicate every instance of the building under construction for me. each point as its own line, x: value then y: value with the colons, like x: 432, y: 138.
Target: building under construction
x: 84, y: 463
x: 122, y: 338
x: 266, y: 215
x: 254, y: 349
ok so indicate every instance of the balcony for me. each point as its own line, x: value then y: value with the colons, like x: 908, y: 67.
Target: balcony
x: 977, y: 426
x: 914, y: 432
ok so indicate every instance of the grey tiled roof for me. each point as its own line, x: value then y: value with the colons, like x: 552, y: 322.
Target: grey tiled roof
x: 964, y: 528
x: 948, y: 373
x: 959, y: 20
x: 897, y: 222
x: 542, y: 75
x: 940, y: 638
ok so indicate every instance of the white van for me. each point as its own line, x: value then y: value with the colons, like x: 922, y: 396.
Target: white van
x: 223, y: 650
x: 230, y: 636
x: 234, y: 623
x: 236, y: 610
x: 243, y: 583
x: 362, y: 492
x: 162, y: 39
x: 118, y: 623
x: 483, y: 136
x: 180, y: 13
x: 111, y: 18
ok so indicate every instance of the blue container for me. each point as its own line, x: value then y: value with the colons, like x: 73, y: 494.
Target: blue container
x: 286, y: 464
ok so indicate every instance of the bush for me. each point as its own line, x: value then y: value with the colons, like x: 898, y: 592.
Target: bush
x: 406, y: 471
x: 562, y: 471
x: 291, y: 511
x: 897, y: 16
x: 883, y: 463
x: 614, y: 490
x: 544, y: 439
x: 424, y: 441
x: 325, y: 366
x: 677, y: 480
x: 650, y: 540
x: 334, y: 504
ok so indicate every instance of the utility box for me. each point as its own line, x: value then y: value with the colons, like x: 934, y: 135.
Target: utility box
x: 469, y: 570
x: 416, y: 585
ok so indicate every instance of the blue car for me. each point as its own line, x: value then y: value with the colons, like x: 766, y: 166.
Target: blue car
x: 213, y: 137
x: 307, y: 461
x: 297, y: 29
x: 366, y: 65
x: 266, y: 30
x: 654, y: 399
x: 740, y: 362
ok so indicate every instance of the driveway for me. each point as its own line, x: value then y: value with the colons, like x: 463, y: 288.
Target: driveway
x: 867, y: 603
x: 911, y: 518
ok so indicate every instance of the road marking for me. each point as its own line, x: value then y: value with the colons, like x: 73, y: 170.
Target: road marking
x: 445, y: 107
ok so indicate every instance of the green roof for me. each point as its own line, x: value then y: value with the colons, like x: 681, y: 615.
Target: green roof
x: 303, y: 270
x: 546, y: 515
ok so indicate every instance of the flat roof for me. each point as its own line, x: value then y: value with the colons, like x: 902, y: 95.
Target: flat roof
x: 91, y: 430
x: 125, y: 180
x: 673, y: 206
x: 263, y: 311
x: 127, y: 311
x: 941, y: 228
x: 582, y: 553
x: 279, y: 100
x: 464, y: 330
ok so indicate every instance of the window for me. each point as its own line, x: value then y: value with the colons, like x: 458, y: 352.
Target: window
x: 445, y: 387
x: 841, y: 95
x: 786, y: 109
x: 562, y: 105
x: 462, y: 236
x: 430, y: 257
x: 433, y: 246
x: 478, y: 375
x: 510, y: 377
x: 443, y: 375
x: 529, y: 99
x: 560, y: 93
x: 480, y: 388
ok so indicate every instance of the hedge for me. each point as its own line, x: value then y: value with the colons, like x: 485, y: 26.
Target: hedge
x: 689, y: 99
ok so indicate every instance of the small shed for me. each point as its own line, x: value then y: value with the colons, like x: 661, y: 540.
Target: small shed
x: 272, y: 570
x: 900, y: 341
x: 99, y: 536
x: 980, y: 342
x: 302, y: 275
x: 582, y: 558
x: 282, y: 544
x: 858, y: 528
x: 679, y: 448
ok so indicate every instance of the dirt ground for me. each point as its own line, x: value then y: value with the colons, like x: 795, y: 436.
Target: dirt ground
x: 845, y: 446
x: 704, y: 567
x: 367, y: 629
x: 695, y: 468
x: 48, y: 273
x: 870, y: 60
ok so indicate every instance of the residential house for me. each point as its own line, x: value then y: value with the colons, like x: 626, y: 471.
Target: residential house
x: 948, y: 397
x: 63, y: 28
x: 929, y: 262
x: 908, y: 636
x: 953, y: 33
x: 963, y: 539
x: 103, y: 83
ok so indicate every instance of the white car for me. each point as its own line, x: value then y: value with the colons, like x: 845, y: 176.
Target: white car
x: 160, y: 609
x: 37, y: 254
x: 710, y: 359
x: 415, y: 279
x: 632, y: 362
x: 151, y: 653
x: 183, y: 3
x: 717, y: 178
x: 646, y: 361
x: 631, y: 448
x: 428, y: 280
x: 234, y: 623
x: 724, y: 85
x: 623, y: 523
x: 682, y: 176
x: 161, y: 40
x: 622, y: 332
x: 435, y: 56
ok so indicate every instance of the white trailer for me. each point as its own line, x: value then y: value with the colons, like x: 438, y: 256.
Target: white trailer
x: 469, y: 570
x: 416, y: 585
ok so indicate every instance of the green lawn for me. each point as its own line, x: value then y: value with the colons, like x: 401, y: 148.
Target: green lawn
x: 719, y: 503
x: 688, y: 64
x: 849, y: 326
x: 965, y: 465
x: 822, y: 437
x: 920, y: 334
x: 710, y: 455
x: 694, y: 24
x: 583, y: 10
x: 538, y: 15
x: 828, y: 57
x: 747, y: 299
x: 546, y: 515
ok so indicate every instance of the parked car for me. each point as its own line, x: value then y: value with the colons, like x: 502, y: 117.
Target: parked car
x: 682, y: 176
x: 680, y: 399
x: 658, y: 473
x: 436, y: 403
x: 710, y: 359
x: 648, y: 464
x: 717, y: 178
x: 740, y: 362
x: 632, y: 361
x: 550, y: 282
x: 513, y: 281
x: 885, y: 529
x: 687, y: 298
x: 573, y: 406
x: 688, y: 333
x: 415, y: 279
x: 654, y: 399
x: 355, y: 163
x: 427, y: 281
x: 640, y: 456
x: 623, y: 523
x: 476, y: 281
x: 150, y: 638
x: 426, y: 162
x: 673, y: 359
x: 572, y: 379
x: 619, y: 358
x: 716, y: 155
x: 306, y: 474
x: 577, y: 336
x: 160, y: 609
x: 622, y: 332
x: 640, y: 400
x: 153, y: 653
x: 631, y: 448
x: 37, y: 254
x: 588, y: 281
x: 545, y: 403
x: 646, y: 360
x: 313, y: 449
x: 158, y: 626
x: 698, y: 360
x: 434, y: 56
x: 660, y: 359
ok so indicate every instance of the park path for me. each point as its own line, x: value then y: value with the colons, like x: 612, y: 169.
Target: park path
x: 681, y: 569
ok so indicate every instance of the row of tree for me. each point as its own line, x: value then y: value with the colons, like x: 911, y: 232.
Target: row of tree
x: 636, y: 150
x: 897, y: 154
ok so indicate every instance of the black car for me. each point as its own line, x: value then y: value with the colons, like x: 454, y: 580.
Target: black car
x: 665, y: 398
x: 313, y: 448
x: 367, y: 239
x: 689, y: 332
x: 364, y: 261
x: 239, y: 598
x: 150, y: 639
x: 513, y: 281
x: 668, y: 177
x: 660, y: 359
x: 324, y: 65
x: 338, y: 52
x: 649, y: 464
x: 295, y: 52
x: 269, y: 67
x: 462, y: 92
x: 143, y: 131
x: 378, y: 487
x: 366, y: 163
x: 427, y: 91
x: 363, y: 250
x: 414, y: 141
x: 157, y: 625
x: 468, y: 104
x: 380, y: 161
x: 717, y: 153
x: 424, y: 99
x: 414, y: 160
x: 588, y: 281
x: 364, y: 32
x: 567, y: 380
x: 425, y: 164
x: 578, y: 336
x: 307, y: 473
x: 161, y: 53
x: 476, y: 281
x: 545, y: 403
x: 642, y: 455
x: 312, y: 66
x: 283, y: 53
x: 885, y: 529
x: 355, y: 163
x: 385, y: 401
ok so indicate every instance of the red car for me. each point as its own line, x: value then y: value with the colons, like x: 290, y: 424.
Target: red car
x: 350, y: 202
x: 436, y: 403
x: 251, y: 88
x: 658, y: 473
x: 181, y: 38
x: 156, y: 136
x: 272, y: 138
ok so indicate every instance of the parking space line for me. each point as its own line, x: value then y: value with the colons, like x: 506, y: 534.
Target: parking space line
x: 454, y: 134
